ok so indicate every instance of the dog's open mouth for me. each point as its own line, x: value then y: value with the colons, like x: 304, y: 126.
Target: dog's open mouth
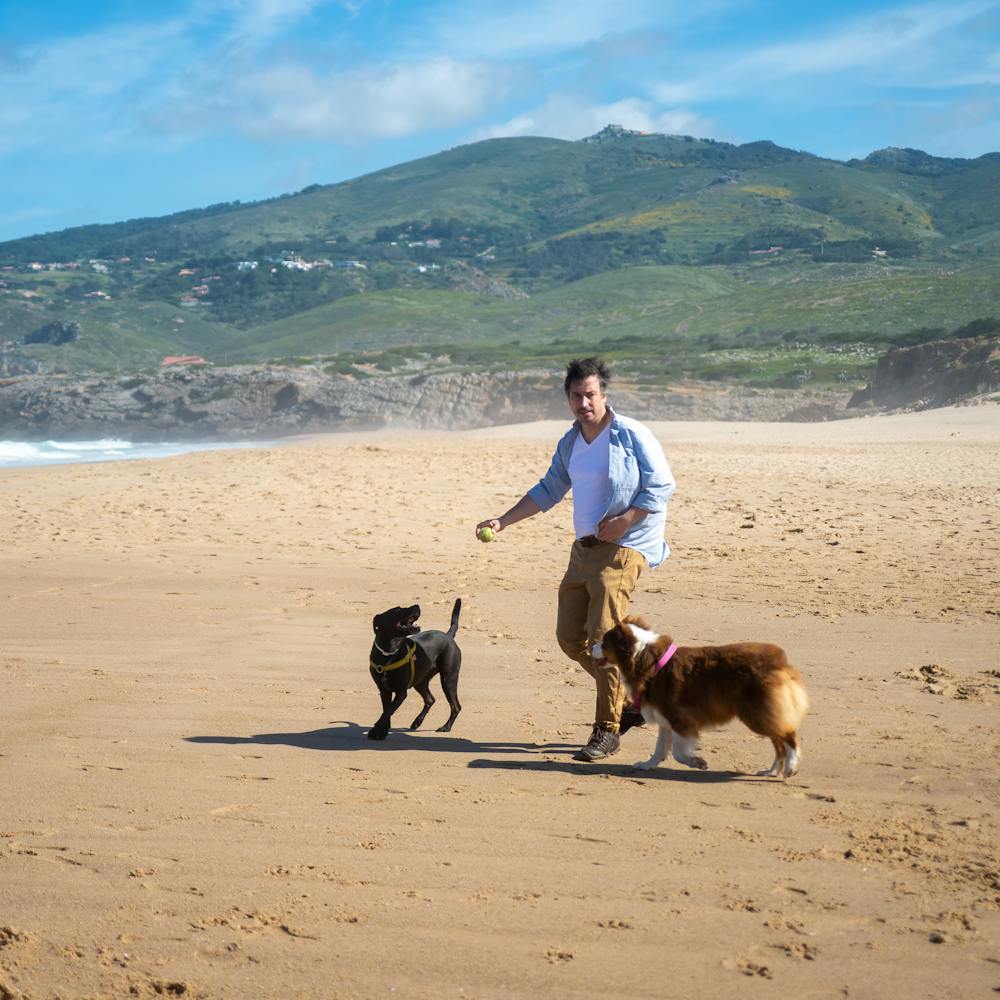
x: 397, y: 623
x: 408, y: 625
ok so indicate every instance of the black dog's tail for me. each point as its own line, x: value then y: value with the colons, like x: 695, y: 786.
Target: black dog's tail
x: 455, y: 612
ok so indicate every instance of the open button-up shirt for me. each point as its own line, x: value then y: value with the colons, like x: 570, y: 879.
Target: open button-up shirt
x: 638, y: 476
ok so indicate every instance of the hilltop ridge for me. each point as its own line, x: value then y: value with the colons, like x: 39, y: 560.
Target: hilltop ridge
x: 659, y: 246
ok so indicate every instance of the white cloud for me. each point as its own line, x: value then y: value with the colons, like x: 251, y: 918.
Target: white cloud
x: 257, y: 22
x: 566, y: 117
x: 65, y: 93
x: 962, y: 128
x: 901, y: 47
x: 375, y: 102
x: 521, y: 27
x: 94, y: 91
x: 872, y: 41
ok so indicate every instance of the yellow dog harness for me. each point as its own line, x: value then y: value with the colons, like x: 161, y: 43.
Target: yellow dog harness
x: 408, y: 658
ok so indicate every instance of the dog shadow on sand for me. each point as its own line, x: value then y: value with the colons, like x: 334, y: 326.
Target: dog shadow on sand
x: 619, y: 769
x: 349, y: 736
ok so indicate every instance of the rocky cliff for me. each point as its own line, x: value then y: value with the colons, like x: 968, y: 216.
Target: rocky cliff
x: 244, y: 402
x: 933, y: 374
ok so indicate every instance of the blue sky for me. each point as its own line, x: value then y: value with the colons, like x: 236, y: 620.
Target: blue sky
x: 116, y: 109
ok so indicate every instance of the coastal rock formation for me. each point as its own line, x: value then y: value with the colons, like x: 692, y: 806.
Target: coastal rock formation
x: 933, y: 374
x: 254, y: 402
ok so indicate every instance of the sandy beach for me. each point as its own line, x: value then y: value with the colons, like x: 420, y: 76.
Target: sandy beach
x: 189, y: 805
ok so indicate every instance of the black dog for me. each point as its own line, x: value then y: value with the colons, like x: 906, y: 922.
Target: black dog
x: 403, y: 657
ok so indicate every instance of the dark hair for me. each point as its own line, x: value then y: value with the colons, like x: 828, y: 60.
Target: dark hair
x: 583, y: 368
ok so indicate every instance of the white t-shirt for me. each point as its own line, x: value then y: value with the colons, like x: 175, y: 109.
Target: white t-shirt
x: 588, y: 472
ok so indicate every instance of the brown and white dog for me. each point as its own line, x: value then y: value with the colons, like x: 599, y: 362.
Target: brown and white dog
x: 684, y: 689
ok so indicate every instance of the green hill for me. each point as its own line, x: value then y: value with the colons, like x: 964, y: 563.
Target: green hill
x: 666, y: 246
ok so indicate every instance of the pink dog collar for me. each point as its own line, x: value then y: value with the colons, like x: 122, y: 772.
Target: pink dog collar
x: 660, y: 664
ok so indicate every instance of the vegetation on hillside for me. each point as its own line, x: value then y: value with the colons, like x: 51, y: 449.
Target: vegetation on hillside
x: 667, y: 250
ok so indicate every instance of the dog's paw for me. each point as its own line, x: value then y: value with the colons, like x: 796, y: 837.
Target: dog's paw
x: 697, y: 762
x: 770, y: 772
x: 646, y: 765
x: 446, y: 728
x: 377, y: 734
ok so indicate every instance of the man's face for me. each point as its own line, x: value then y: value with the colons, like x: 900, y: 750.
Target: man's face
x: 587, y: 402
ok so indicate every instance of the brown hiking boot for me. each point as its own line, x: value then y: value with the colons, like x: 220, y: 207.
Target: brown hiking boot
x: 603, y: 743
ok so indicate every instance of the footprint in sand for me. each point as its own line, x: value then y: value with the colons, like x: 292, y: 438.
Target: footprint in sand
x: 799, y: 949
x: 750, y: 968
x: 556, y: 956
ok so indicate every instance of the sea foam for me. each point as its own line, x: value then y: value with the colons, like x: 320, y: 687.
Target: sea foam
x: 26, y: 453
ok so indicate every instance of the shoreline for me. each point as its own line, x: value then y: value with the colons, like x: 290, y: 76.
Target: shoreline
x: 969, y: 421
x: 52, y: 451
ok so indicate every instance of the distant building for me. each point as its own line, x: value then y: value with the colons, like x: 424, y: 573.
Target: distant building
x: 610, y: 133
x: 172, y: 360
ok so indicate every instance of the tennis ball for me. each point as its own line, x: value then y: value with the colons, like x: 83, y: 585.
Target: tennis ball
x: 485, y: 533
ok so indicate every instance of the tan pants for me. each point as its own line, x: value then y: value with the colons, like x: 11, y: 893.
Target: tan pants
x: 593, y: 597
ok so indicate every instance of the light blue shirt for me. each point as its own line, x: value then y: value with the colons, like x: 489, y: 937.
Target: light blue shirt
x: 638, y: 476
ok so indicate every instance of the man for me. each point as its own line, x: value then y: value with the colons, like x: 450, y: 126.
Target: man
x: 621, y: 484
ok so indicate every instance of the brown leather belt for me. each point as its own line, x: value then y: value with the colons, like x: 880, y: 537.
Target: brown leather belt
x: 589, y: 541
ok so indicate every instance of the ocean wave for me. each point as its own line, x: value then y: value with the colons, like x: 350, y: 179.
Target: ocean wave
x: 15, y: 454
x: 104, y: 445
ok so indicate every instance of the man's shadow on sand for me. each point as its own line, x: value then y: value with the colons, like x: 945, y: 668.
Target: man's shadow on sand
x: 349, y: 736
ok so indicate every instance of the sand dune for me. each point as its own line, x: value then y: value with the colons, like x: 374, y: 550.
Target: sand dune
x: 189, y: 806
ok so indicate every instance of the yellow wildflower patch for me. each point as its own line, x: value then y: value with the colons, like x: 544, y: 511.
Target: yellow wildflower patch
x: 767, y: 191
x: 654, y: 218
